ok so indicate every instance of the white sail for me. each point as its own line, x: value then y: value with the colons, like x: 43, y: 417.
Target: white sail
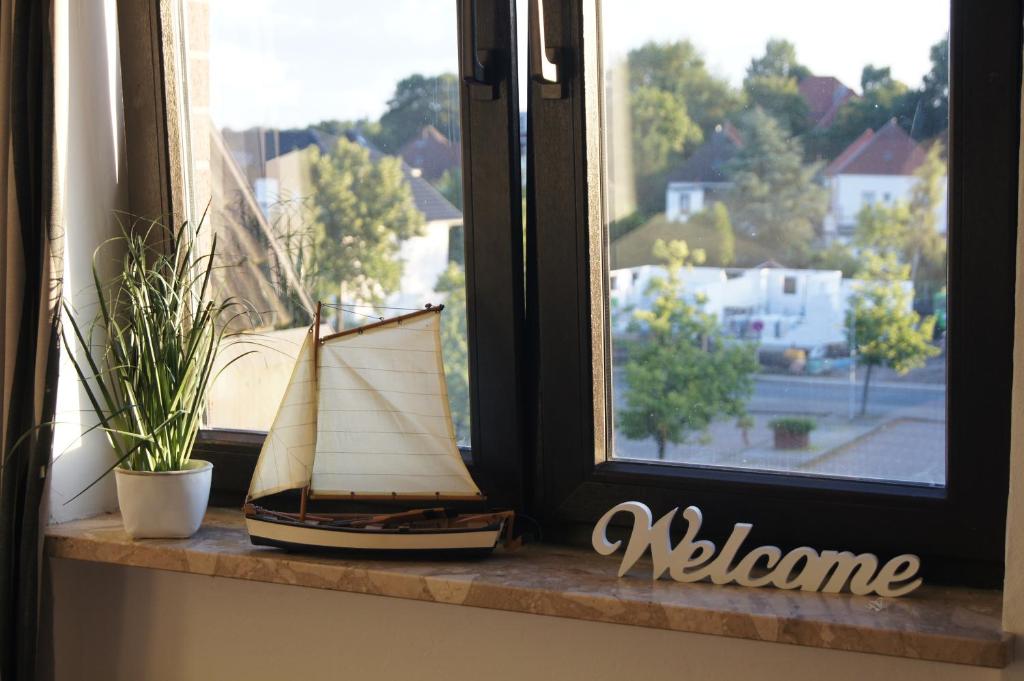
x: 383, y: 423
x: 286, y: 460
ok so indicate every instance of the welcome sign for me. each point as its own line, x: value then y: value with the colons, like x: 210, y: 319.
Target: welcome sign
x: 693, y: 560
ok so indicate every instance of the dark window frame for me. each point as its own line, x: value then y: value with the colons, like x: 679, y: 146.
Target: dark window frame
x: 958, y: 530
x: 493, y: 264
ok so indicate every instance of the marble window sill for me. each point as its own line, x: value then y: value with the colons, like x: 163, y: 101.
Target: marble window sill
x: 935, y: 623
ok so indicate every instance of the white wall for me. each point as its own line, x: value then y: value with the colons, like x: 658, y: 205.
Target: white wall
x: 117, y: 623
x: 89, y: 169
x: 848, y: 196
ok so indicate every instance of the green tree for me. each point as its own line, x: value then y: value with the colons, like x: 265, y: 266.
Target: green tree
x: 772, y: 83
x: 909, y: 229
x: 661, y: 131
x: 715, y: 218
x: 418, y: 101
x: 679, y: 69
x: 779, y: 60
x: 455, y: 348
x: 933, y: 104
x: 674, y: 102
x: 925, y: 246
x: 774, y: 195
x: 362, y: 210
x: 684, y: 373
x: 450, y: 186
x: 883, y: 99
x: 882, y: 325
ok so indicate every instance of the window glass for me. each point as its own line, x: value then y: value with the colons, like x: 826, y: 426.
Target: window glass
x: 326, y: 145
x: 770, y: 313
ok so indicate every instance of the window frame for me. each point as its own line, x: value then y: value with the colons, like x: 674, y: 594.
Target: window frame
x: 493, y: 238
x: 957, y: 530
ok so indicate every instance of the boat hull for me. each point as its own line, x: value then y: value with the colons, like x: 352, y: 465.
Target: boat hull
x: 298, y: 536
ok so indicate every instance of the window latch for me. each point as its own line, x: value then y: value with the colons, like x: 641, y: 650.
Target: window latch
x: 475, y: 72
x: 543, y: 69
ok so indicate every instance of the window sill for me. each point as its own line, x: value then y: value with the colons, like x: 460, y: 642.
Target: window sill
x: 954, y: 625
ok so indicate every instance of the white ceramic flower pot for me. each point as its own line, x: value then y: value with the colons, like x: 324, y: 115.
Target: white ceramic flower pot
x: 164, y: 505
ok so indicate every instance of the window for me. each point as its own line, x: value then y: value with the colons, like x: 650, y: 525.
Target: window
x: 781, y: 137
x: 788, y: 135
x: 352, y: 159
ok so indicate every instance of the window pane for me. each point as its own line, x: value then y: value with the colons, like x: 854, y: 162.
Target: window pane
x: 327, y: 145
x: 775, y: 194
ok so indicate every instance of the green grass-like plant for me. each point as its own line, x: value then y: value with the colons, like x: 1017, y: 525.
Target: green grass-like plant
x: 796, y: 426
x: 148, y: 380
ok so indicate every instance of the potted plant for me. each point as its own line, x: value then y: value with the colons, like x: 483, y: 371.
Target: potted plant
x: 792, y: 433
x: 148, y: 373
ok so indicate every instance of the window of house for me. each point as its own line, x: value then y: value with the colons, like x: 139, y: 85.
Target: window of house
x: 789, y: 285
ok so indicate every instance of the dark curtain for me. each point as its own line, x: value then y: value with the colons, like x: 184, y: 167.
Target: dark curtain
x: 33, y: 395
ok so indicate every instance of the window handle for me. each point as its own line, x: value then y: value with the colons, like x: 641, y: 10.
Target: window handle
x: 475, y: 72
x: 543, y: 70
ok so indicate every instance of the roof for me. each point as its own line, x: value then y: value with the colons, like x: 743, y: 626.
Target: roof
x: 890, y: 151
x: 708, y: 163
x: 428, y: 200
x: 432, y: 153
x: 824, y: 95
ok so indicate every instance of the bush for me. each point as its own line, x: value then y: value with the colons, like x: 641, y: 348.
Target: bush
x: 796, y: 426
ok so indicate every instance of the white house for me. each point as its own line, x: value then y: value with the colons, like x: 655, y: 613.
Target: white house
x: 777, y: 307
x: 701, y: 177
x: 878, y: 167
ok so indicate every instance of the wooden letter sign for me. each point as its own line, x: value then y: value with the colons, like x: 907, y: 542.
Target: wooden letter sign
x: 802, y: 568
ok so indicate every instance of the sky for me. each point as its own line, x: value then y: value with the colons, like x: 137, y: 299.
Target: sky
x: 289, y: 63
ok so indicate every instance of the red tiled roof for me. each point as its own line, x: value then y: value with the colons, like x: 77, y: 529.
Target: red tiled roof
x: 824, y: 95
x: 431, y: 153
x: 890, y: 151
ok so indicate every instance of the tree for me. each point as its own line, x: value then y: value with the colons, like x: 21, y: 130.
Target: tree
x: 779, y: 60
x: 661, y: 131
x: 933, y: 103
x: 882, y: 326
x: 909, y: 229
x: 678, y: 68
x: 418, y: 101
x: 772, y: 83
x: 684, y: 372
x: 884, y: 98
x: 715, y: 218
x: 774, y: 195
x: 362, y: 210
x: 674, y: 102
x: 450, y: 186
x: 924, y: 243
x: 455, y: 348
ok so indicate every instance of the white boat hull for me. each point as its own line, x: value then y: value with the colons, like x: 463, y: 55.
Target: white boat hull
x: 294, y: 535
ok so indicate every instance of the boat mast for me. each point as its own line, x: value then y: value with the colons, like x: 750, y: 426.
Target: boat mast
x: 304, y: 498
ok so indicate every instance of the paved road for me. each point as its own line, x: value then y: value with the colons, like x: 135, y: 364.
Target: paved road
x: 831, y: 396
x: 824, y: 396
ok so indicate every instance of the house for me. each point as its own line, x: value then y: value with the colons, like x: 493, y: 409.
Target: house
x: 702, y: 177
x: 425, y: 257
x: 774, y: 306
x: 432, y: 154
x: 877, y: 167
x: 825, y: 96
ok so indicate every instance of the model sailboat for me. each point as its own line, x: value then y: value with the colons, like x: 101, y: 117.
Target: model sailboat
x: 365, y: 418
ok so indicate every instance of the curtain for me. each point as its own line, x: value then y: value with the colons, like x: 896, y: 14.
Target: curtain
x: 31, y: 272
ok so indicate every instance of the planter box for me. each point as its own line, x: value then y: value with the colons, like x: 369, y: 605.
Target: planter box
x: 785, y: 439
